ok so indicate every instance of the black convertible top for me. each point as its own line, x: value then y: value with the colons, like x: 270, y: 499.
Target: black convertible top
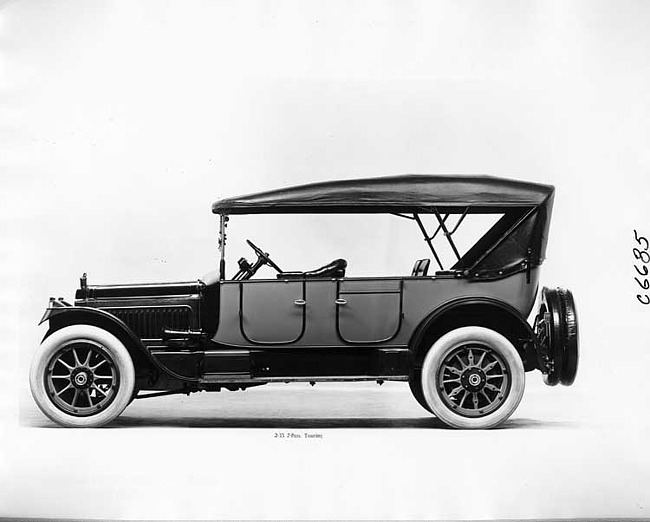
x: 516, y: 242
x: 397, y: 194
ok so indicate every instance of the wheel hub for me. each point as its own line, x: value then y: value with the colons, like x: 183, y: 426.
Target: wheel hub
x: 473, y: 380
x: 82, y: 378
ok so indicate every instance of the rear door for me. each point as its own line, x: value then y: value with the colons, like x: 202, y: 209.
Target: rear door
x: 368, y: 310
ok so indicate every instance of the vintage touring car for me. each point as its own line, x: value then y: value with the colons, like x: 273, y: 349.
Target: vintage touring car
x: 457, y: 334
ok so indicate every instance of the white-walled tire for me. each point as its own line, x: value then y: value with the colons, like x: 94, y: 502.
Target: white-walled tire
x: 82, y: 376
x: 473, y: 378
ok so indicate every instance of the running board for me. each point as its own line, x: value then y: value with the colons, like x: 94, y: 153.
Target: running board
x: 311, y: 364
x: 211, y: 378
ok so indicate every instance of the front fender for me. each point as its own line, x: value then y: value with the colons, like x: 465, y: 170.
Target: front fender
x: 61, y: 314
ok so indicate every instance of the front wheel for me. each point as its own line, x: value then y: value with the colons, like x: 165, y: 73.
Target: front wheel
x: 473, y: 378
x: 82, y: 376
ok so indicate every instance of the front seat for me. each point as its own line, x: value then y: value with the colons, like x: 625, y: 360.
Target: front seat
x: 334, y: 269
x: 420, y: 268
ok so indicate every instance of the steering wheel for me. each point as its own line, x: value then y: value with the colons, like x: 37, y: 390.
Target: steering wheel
x: 263, y: 255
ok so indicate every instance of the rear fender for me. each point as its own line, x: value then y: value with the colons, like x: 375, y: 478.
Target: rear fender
x: 476, y: 311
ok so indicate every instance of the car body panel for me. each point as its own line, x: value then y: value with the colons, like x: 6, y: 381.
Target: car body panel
x: 401, y: 304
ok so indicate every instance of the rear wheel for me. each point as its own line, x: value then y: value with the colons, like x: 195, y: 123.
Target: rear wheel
x: 473, y: 378
x: 82, y: 376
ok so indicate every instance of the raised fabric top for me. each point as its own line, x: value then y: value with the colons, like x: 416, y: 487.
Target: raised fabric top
x: 404, y: 194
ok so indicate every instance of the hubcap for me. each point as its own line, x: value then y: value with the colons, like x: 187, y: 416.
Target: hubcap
x: 473, y: 380
x: 81, y: 378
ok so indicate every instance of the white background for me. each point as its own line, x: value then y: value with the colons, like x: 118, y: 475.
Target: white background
x: 120, y: 124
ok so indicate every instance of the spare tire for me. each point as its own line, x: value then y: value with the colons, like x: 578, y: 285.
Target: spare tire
x: 556, y: 326
x: 570, y: 327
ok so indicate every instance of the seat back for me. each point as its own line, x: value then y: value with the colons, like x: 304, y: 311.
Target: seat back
x: 421, y: 267
x: 334, y: 269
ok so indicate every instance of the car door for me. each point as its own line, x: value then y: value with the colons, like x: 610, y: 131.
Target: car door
x: 272, y: 311
x: 369, y: 310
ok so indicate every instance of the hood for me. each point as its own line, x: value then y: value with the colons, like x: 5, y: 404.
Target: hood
x: 121, y: 291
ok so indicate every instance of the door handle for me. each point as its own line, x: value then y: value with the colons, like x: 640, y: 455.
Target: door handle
x: 300, y: 302
x: 340, y: 301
